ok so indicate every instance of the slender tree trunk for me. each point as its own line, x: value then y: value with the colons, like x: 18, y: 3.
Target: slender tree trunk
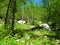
x: 13, y: 17
x: 22, y: 2
x: 32, y: 18
x: 48, y: 10
x: 28, y: 17
x: 22, y: 13
x: 6, y: 18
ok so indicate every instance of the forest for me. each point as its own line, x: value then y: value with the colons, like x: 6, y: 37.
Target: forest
x: 29, y: 22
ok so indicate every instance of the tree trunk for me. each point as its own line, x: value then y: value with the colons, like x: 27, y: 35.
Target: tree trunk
x: 6, y: 18
x: 32, y: 18
x: 22, y: 13
x: 13, y: 16
x: 48, y: 10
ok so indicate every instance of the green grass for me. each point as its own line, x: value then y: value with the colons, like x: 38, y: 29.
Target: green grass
x: 35, y: 37
x: 10, y: 40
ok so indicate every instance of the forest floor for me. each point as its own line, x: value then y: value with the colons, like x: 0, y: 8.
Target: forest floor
x: 23, y: 37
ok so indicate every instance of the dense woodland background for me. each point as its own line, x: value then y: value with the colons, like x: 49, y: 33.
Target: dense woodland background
x: 34, y: 13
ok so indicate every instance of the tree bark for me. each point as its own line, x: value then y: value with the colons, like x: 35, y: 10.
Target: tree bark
x: 6, y: 18
x: 13, y: 15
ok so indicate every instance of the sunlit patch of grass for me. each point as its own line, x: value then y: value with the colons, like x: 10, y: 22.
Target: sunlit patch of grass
x: 22, y: 26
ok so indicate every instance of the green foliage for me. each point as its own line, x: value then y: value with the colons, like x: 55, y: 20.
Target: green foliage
x: 36, y: 37
x: 31, y: 14
x: 53, y: 12
x: 3, y: 5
